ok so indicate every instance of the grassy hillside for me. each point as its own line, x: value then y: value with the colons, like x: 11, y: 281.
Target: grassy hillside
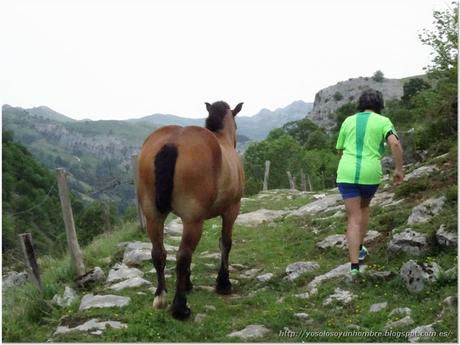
x: 269, y: 247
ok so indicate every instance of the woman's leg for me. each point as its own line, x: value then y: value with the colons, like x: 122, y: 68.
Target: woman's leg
x: 364, y: 218
x: 354, y: 220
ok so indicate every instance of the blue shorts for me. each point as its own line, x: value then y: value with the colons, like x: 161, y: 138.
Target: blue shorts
x: 352, y: 190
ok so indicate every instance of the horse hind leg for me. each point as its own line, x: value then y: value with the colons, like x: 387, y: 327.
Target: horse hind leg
x: 223, y: 285
x: 155, y: 232
x: 190, y: 237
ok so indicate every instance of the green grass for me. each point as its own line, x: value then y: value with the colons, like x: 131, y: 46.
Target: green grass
x: 270, y: 248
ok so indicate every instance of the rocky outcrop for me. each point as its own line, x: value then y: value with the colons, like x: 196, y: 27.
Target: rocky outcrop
x: 330, y: 98
x: 66, y: 299
x: 251, y: 332
x: 426, y: 210
x: 94, y: 325
x: 256, y: 218
x: 410, y: 242
x: 296, y: 269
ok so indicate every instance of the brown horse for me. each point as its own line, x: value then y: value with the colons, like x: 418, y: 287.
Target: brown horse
x: 195, y: 173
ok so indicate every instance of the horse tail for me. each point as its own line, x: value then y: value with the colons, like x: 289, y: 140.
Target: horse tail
x: 165, y: 164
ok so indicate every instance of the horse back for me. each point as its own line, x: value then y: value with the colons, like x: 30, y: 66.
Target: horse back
x: 197, y: 169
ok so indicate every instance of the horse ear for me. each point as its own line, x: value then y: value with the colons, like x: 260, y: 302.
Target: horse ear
x: 208, y: 107
x: 237, y: 109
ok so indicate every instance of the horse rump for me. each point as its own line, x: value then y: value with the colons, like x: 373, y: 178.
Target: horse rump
x: 165, y: 164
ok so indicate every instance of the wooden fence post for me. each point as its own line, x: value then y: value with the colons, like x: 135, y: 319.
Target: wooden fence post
x: 30, y: 259
x: 72, y: 241
x: 309, y: 183
x: 134, y: 159
x: 291, y: 180
x: 303, y: 182
x: 267, y: 172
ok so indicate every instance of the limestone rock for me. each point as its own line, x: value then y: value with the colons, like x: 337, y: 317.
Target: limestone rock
x: 130, y: 283
x: 66, y: 299
x: 451, y: 302
x: 209, y: 307
x: 136, y: 257
x: 265, y: 277
x: 103, y: 301
x: 12, y: 279
x: 381, y: 275
x: 340, y: 271
x: 451, y: 273
x: 91, y: 325
x: 421, y: 172
x: 446, y: 238
x: 405, y: 321
x: 401, y: 311
x: 251, y: 332
x: 96, y: 275
x: 378, y: 307
x: 174, y: 227
x: 426, y: 210
x: 296, y: 269
x: 340, y: 241
x: 412, y: 275
x: 249, y: 274
x: 316, y: 206
x: 339, y: 295
x: 302, y: 316
x: 304, y: 295
x: 421, y: 333
x: 256, y: 218
x: 199, y: 317
x: 121, y: 272
x: 410, y: 242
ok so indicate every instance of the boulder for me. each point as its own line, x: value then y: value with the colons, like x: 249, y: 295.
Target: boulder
x: 251, y: 332
x: 296, y: 269
x: 136, y: 257
x: 199, y: 317
x: 103, y: 301
x: 249, y: 274
x: 66, y: 299
x: 342, y: 271
x: 401, y: 311
x: 92, y: 325
x: 377, y: 307
x: 426, y: 210
x: 256, y: 218
x: 446, y: 238
x: 417, y: 275
x: 408, y: 241
x: 302, y: 316
x: 339, y: 295
x: 450, y: 302
x: 340, y: 241
x: 316, y: 206
x: 381, y: 275
x: 382, y: 199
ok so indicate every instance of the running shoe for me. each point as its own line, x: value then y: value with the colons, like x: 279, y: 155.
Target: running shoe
x: 354, y: 272
x: 363, y: 253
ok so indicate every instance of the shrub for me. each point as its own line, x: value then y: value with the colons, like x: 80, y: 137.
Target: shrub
x: 338, y: 96
x: 378, y: 76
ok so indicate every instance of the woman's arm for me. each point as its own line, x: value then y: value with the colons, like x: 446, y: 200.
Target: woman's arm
x: 396, y: 150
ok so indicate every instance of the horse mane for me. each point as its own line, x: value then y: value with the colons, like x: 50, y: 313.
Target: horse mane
x: 217, y: 112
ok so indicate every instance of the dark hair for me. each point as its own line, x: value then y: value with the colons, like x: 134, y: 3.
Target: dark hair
x: 217, y: 112
x: 371, y: 99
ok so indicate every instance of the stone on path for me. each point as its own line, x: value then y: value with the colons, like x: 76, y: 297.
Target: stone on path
x: 296, y: 269
x: 265, y: 277
x: 134, y: 282
x: 410, y: 242
x: 103, y: 301
x: 174, y: 227
x: 303, y: 316
x: 416, y: 275
x: 209, y: 307
x: 66, y: 299
x: 316, y: 206
x: 339, y: 295
x: 381, y: 275
x: 136, y: 257
x: 451, y: 302
x: 256, y: 218
x: 251, y: 332
x: 206, y: 255
x: 96, y: 275
x: 199, y: 317
x: 401, y: 311
x: 446, y: 238
x: 340, y: 240
x: 91, y: 325
x: 121, y: 272
x: 249, y: 274
x: 421, y: 333
x: 405, y: 321
x: 377, y: 307
x: 426, y: 210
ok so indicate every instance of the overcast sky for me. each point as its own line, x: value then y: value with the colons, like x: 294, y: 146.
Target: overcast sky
x: 127, y: 59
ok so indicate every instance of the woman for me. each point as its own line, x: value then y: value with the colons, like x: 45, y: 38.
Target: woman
x: 361, y: 145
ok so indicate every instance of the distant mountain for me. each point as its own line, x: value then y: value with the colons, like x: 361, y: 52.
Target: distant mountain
x: 254, y: 127
x: 47, y: 113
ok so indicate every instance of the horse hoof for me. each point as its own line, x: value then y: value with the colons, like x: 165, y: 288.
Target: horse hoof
x: 181, y: 313
x: 224, y: 289
x: 160, y: 301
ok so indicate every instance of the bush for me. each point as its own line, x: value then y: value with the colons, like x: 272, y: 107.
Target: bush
x: 338, y: 96
x: 411, y: 187
x: 378, y: 76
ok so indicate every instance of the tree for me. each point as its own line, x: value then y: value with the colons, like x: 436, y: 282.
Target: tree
x: 338, y: 96
x: 343, y: 112
x: 378, y: 76
x: 413, y: 87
